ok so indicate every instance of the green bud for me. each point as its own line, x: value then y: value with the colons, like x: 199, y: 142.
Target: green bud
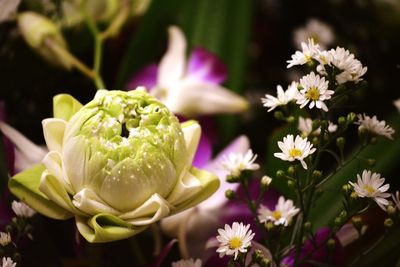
x: 388, y: 223
x: 340, y: 142
x: 291, y: 170
x: 230, y: 194
x: 391, y: 210
x: 291, y: 119
x: 307, y: 226
x: 343, y: 214
x: 269, y: 226
x: 371, y: 162
x: 232, y: 179
x: 354, y: 196
x: 257, y: 255
x: 351, y: 117
x: 342, y: 121
x: 347, y: 188
x: 291, y: 184
x: 324, y: 124
x: 315, y: 141
x: 278, y: 115
x: 331, y: 244
x: 316, y: 174
x: 338, y: 221
x: 280, y: 174
x: 36, y: 29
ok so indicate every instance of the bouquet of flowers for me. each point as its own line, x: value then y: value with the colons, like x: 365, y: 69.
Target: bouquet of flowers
x: 170, y: 167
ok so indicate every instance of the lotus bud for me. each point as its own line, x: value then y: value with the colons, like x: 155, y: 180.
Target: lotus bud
x: 120, y: 163
x: 36, y: 29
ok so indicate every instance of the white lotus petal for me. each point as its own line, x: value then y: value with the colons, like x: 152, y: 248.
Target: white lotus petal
x: 53, y: 130
x: 88, y: 202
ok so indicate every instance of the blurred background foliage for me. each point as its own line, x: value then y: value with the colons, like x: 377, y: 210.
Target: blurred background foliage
x: 254, y: 39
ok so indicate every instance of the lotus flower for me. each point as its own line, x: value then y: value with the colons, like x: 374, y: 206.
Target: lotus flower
x: 117, y: 164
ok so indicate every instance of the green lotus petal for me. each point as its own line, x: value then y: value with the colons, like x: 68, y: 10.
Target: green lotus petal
x: 209, y: 183
x: 65, y: 106
x: 105, y: 228
x: 25, y: 186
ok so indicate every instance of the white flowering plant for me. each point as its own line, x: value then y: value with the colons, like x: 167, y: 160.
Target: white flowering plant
x: 152, y: 152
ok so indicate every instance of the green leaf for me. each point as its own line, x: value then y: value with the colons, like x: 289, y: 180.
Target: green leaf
x: 25, y: 186
x: 386, y: 152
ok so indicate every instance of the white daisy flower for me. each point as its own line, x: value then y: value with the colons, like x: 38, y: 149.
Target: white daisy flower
x: 314, y: 91
x: 352, y: 69
x: 305, y: 127
x: 309, y: 51
x: 374, y: 126
x: 283, y: 97
x: 235, y: 163
x: 319, y: 31
x: 282, y: 215
x: 370, y: 185
x: 396, y: 199
x: 187, y: 263
x: 5, y: 238
x: 396, y: 103
x: 7, y: 262
x: 234, y: 240
x: 297, y: 149
x: 22, y: 210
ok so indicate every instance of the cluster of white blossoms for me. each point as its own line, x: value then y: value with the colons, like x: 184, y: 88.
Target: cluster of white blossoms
x: 295, y: 149
x: 371, y: 185
x: 283, y: 97
x: 22, y: 210
x: 234, y: 240
x: 305, y: 127
x: 187, y: 263
x: 349, y: 68
x: 282, y: 215
x: 235, y: 163
x: 374, y: 126
x: 7, y: 262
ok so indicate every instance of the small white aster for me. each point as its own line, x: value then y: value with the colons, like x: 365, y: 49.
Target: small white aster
x: 283, y: 97
x: 235, y: 163
x: 396, y: 199
x: 5, y: 238
x: 297, y: 149
x: 22, y: 210
x: 234, y: 240
x: 187, y: 263
x: 319, y: 31
x: 7, y: 262
x: 374, y: 126
x: 352, y: 69
x: 396, y: 103
x: 309, y: 51
x: 370, y: 185
x: 282, y: 215
x: 305, y: 127
x: 314, y: 91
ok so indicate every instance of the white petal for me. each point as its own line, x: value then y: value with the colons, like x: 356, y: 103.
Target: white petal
x: 172, y: 65
x: 186, y: 187
x: 191, y: 133
x: 88, y: 202
x: 53, y: 130
x: 54, y: 166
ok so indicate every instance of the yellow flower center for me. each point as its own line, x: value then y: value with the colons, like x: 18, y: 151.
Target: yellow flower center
x: 313, y: 93
x: 369, y: 189
x: 235, y: 243
x: 276, y: 214
x: 295, y: 152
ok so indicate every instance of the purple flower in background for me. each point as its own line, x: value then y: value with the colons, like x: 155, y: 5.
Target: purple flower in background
x: 189, y: 87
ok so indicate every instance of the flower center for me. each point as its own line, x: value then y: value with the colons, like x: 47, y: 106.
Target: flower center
x: 235, y: 243
x: 313, y: 93
x: 276, y: 214
x: 295, y: 152
x: 369, y: 189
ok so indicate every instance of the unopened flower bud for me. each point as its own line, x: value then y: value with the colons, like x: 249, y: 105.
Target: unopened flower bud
x: 291, y: 119
x: 315, y: 141
x: 307, y: 226
x: 371, y: 162
x: 391, y: 210
x: 232, y: 179
x: 324, y: 124
x: 257, y: 255
x: 340, y: 142
x: 351, y: 117
x: 342, y: 121
x: 331, y: 244
x: 291, y: 184
x: 280, y: 174
x: 317, y: 174
x: 388, y: 223
x: 343, y: 214
x: 291, y: 170
x: 347, y: 188
x: 269, y: 226
x: 265, y: 182
x: 338, y: 221
x: 354, y: 195
x: 36, y: 29
x: 278, y: 115
x: 230, y: 194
